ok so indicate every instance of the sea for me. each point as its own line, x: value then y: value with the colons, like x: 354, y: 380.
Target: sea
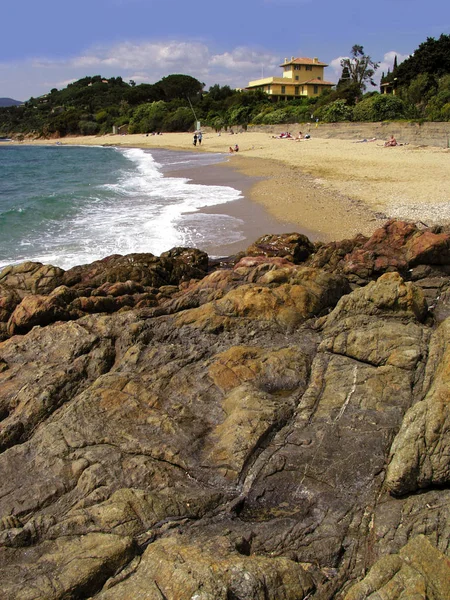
x: 71, y: 205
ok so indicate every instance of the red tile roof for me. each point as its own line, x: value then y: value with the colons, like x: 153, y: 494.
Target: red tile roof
x: 304, y: 61
x: 317, y: 82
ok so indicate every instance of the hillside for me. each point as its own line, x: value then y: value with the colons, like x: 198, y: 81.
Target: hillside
x: 9, y: 102
x: 274, y: 425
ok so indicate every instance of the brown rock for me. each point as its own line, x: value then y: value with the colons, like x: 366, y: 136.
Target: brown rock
x: 68, y: 567
x: 291, y: 246
x: 213, y: 569
x: 259, y: 432
x: 31, y: 278
x: 418, y: 571
x: 421, y: 449
x: 397, y: 246
x: 36, y: 310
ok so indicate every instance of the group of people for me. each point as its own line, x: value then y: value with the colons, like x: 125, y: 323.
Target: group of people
x: 198, y: 136
x: 287, y: 136
x: 283, y: 136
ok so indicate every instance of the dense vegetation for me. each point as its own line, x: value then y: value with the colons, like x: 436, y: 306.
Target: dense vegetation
x: 422, y: 81
x: 93, y: 105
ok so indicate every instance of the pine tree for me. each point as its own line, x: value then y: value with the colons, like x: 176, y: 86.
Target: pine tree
x: 345, y: 79
x: 361, y: 67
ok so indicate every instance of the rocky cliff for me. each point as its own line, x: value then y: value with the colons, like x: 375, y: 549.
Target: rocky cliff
x: 271, y: 426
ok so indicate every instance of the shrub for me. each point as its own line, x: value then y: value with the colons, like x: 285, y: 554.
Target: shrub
x: 336, y: 111
x: 364, y: 110
x: 379, y: 107
x: 88, y: 127
x: 388, y: 107
x: 276, y: 117
x: 445, y: 112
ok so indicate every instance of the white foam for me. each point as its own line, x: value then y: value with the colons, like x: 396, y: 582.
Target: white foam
x: 143, y: 212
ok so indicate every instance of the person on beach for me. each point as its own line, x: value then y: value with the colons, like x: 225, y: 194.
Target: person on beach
x: 391, y: 142
x: 195, y: 139
x: 199, y: 138
x: 236, y: 148
x: 230, y: 150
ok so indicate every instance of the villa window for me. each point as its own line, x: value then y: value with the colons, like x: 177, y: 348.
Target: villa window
x: 297, y: 68
x: 296, y: 78
x: 309, y: 67
x: 283, y: 89
x: 297, y: 90
x: 319, y: 78
x: 268, y: 88
x: 316, y: 89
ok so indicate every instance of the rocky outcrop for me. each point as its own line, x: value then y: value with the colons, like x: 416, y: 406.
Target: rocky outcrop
x: 274, y: 429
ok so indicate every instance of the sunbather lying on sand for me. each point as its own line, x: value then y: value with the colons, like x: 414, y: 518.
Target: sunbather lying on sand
x: 364, y: 140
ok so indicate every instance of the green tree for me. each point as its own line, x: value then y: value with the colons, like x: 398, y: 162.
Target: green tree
x: 361, y: 67
x: 216, y: 92
x: 345, y: 78
x: 431, y: 57
x: 181, y: 86
x: 148, y: 117
x: 181, y: 119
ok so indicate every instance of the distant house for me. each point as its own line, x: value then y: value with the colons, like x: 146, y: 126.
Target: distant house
x: 389, y: 87
x: 301, y: 77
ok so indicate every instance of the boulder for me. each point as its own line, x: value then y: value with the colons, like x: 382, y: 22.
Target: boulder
x: 31, y: 278
x: 419, y: 454
x: 295, y: 247
x: 419, y: 570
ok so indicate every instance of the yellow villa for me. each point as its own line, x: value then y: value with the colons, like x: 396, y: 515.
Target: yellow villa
x: 301, y: 77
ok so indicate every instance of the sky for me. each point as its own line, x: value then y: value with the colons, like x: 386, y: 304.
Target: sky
x: 50, y: 43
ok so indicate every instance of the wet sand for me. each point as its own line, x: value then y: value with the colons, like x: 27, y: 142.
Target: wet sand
x: 255, y: 219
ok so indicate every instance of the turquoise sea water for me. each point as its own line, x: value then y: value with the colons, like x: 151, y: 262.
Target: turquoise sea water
x: 66, y: 205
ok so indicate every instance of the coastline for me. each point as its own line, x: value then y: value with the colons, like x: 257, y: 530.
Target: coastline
x: 256, y: 219
x: 332, y: 188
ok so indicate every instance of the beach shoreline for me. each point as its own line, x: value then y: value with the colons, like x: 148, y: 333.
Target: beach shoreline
x: 256, y: 220
x: 332, y: 188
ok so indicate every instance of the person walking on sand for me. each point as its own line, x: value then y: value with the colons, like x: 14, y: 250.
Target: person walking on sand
x: 199, y: 138
x: 194, y: 141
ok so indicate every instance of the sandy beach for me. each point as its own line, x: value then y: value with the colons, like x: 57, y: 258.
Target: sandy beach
x: 333, y: 188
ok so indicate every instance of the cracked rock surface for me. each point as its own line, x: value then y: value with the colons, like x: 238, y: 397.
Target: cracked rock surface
x: 273, y: 425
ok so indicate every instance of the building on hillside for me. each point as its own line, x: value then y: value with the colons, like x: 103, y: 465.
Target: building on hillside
x: 301, y: 77
x: 389, y: 87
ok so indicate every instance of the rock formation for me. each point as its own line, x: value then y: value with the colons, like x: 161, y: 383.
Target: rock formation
x: 271, y: 425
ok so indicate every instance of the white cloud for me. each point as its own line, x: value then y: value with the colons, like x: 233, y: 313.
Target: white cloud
x: 145, y: 61
x: 388, y: 61
x: 336, y: 69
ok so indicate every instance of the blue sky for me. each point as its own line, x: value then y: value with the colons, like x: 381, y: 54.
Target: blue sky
x: 50, y: 43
